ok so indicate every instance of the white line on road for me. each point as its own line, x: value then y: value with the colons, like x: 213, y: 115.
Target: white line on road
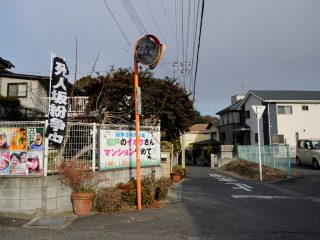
x: 231, y: 181
x: 241, y: 186
x: 260, y: 197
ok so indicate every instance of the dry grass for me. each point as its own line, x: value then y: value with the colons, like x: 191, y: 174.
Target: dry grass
x: 251, y: 170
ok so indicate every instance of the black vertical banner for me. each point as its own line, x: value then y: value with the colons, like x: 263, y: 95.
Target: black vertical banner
x: 58, y: 109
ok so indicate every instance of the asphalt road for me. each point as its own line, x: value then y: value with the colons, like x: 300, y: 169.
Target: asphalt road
x: 213, y: 205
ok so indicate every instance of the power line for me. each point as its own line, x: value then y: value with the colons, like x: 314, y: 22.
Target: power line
x: 157, y: 26
x: 195, y: 26
x: 134, y: 16
x: 116, y: 22
x: 199, y: 41
x: 188, y: 34
x: 171, y: 27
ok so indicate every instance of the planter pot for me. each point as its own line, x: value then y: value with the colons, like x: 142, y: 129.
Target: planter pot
x: 176, y: 177
x: 82, y: 203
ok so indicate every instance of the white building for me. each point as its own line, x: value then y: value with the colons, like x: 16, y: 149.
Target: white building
x: 288, y: 116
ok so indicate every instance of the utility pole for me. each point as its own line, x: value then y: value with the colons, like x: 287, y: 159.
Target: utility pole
x: 183, y: 68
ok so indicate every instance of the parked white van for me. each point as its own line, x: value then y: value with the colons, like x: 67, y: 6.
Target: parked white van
x: 308, y: 152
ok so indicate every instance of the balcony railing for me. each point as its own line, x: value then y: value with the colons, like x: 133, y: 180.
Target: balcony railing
x: 75, y: 104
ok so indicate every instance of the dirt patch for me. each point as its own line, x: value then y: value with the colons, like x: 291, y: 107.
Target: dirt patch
x: 251, y: 170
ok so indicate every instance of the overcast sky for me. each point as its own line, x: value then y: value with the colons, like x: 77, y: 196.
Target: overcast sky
x: 245, y: 44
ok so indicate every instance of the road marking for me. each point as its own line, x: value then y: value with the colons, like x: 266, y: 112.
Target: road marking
x: 260, y: 197
x: 229, y: 180
x: 241, y: 186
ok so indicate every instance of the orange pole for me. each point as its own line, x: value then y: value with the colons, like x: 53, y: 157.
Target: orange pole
x: 137, y: 133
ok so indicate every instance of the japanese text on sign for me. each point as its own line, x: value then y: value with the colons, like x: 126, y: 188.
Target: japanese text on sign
x: 118, y: 149
x: 58, y: 108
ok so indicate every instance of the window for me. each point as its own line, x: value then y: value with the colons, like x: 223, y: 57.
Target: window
x: 284, y: 110
x: 256, y: 137
x: 17, y: 90
x: 213, y: 135
x: 305, y: 108
x: 223, y: 137
x: 277, y: 139
x: 247, y: 114
x: 300, y: 144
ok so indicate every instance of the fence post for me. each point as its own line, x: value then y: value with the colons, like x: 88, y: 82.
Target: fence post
x: 289, y: 160
x: 94, y: 135
x: 46, y: 151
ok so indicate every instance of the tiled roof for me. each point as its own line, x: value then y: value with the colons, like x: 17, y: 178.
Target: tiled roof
x: 198, y: 127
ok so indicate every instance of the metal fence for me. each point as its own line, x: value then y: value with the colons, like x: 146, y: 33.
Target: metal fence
x: 80, y: 142
x: 272, y: 156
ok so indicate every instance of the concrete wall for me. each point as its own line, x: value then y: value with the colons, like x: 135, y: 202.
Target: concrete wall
x: 29, y: 195
x: 166, y: 162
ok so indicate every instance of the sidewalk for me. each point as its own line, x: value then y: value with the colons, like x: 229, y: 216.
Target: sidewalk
x: 65, y: 220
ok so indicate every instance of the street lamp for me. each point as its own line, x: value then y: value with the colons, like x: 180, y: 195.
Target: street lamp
x: 148, y: 51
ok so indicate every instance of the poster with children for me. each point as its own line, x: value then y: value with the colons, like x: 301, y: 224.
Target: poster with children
x: 18, y: 163
x: 21, y: 151
x: 4, y: 163
x: 5, y: 138
x: 34, y: 163
x: 35, y: 139
x: 18, y: 139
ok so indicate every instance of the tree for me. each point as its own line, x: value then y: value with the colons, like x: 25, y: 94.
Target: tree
x: 205, y: 119
x: 10, y: 108
x: 162, y: 100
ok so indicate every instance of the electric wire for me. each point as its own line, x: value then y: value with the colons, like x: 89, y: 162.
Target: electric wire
x: 196, y: 19
x: 134, y: 17
x: 116, y: 22
x: 197, y: 62
x: 171, y: 27
x: 157, y: 26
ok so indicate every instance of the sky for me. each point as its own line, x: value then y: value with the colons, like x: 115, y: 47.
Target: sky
x: 245, y: 44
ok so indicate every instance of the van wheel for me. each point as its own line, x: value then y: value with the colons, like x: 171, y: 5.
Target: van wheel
x: 298, y: 161
x: 315, y: 164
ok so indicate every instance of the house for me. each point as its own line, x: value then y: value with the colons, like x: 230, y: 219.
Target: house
x: 32, y: 91
x: 198, y: 143
x: 230, y: 121
x: 288, y: 116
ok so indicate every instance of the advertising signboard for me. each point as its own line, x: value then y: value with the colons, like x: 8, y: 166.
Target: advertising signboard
x: 117, y: 149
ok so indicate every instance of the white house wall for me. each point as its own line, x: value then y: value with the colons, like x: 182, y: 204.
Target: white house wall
x: 34, y: 91
x: 252, y: 121
x: 305, y: 123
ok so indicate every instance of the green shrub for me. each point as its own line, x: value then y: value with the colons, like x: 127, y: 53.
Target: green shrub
x: 177, y: 169
x: 151, y: 190
x: 148, y: 189
x: 163, y: 185
x: 109, y: 200
x: 184, y: 172
x: 129, y: 191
